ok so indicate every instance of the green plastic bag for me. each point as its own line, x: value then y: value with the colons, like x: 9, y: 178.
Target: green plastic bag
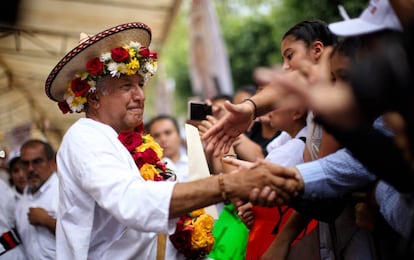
x: 230, y: 236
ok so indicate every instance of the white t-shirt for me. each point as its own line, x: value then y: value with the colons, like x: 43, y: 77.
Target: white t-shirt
x: 39, y: 242
x: 103, y: 193
x: 180, y: 167
x: 288, y: 151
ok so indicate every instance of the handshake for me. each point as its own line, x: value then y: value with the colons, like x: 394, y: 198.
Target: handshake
x: 262, y: 183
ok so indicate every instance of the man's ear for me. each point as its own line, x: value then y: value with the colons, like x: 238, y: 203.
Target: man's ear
x: 93, y: 99
x: 317, y: 49
x: 300, y: 113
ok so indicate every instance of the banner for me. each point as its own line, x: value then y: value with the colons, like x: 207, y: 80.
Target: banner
x: 209, y: 66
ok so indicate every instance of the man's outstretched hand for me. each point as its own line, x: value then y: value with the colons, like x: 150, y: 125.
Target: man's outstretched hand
x: 236, y: 121
x: 273, y: 184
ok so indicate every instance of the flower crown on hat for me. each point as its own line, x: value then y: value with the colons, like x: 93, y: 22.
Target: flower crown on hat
x: 130, y: 59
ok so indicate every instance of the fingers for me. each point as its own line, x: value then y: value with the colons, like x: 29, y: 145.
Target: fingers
x: 218, y: 143
x: 245, y: 207
x: 268, y: 197
x: 228, y: 144
x: 246, y: 214
x: 237, y: 202
x: 212, y: 132
x: 238, y: 163
x: 280, y: 184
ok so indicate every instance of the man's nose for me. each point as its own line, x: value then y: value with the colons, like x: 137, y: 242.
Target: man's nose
x: 138, y: 93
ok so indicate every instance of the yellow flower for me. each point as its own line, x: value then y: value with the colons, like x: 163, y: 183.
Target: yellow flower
x: 148, y: 171
x: 148, y: 142
x: 197, y: 213
x: 78, y: 101
x: 131, y: 52
x: 132, y: 67
x: 205, y: 222
x: 201, y: 237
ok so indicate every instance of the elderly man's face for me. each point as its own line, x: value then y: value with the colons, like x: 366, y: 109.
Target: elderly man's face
x: 121, y: 103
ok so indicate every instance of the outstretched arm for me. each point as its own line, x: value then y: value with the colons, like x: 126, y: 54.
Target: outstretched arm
x: 266, y: 184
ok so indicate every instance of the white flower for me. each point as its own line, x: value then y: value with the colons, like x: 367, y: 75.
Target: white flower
x: 105, y: 57
x: 92, y: 83
x: 135, y: 45
x: 77, y: 108
x: 115, y: 69
x: 151, y: 67
x: 69, y: 98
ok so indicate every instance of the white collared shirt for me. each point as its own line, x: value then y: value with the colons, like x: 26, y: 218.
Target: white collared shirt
x: 103, y: 193
x: 39, y: 242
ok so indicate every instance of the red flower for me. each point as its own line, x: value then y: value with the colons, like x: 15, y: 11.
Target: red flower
x: 150, y: 156
x: 140, y: 129
x: 64, y: 107
x: 95, y: 66
x: 130, y: 139
x: 119, y: 54
x: 147, y: 156
x: 79, y: 87
x: 153, y: 55
x: 181, y: 239
x: 161, y: 165
x: 144, y: 51
x: 158, y: 178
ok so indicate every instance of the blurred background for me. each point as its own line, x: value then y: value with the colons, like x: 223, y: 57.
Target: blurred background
x: 205, y: 48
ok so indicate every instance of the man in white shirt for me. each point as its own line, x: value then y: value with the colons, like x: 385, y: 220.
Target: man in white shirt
x: 36, y: 211
x: 102, y: 190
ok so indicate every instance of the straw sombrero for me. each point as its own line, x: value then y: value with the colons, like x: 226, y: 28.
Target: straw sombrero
x: 75, y: 61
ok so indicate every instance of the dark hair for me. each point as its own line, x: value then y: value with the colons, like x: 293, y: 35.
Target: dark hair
x: 251, y: 89
x: 222, y: 96
x: 49, y: 152
x: 162, y: 117
x: 13, y: 162
x: 311, y: 30
x: 347, y: 47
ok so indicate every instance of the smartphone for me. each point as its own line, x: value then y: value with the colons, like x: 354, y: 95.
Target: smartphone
x: 198, y: 110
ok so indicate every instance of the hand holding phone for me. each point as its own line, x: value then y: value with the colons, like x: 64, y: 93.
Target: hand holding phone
x: 198, y: 111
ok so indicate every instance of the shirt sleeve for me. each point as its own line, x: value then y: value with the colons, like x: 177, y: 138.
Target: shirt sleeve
x: 333, y: 175
x: 395, y: 207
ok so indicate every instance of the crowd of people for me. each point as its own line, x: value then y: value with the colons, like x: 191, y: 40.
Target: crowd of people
x: 314, y: 162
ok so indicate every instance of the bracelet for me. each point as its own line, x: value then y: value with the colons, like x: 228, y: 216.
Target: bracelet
x: 254, y: 107
x: 222, y: 188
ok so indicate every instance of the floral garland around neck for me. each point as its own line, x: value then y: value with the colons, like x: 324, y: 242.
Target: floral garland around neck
x: 130, y: 59
x: 193, y: 235
x: 147, y: 154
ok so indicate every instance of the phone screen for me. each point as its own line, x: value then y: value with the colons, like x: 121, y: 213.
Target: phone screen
x: 199, y: 111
